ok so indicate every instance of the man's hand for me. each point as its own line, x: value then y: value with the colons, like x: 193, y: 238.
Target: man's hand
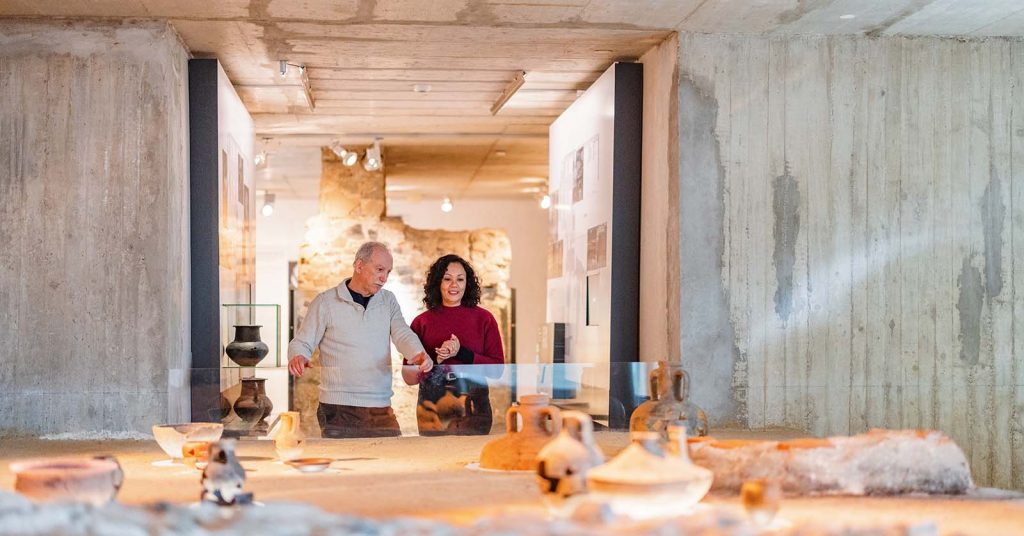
x: 297, y: 365
x: 448, y: 348
x: 423, y: 362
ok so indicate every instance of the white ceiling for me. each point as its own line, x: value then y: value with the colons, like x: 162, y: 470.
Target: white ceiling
x: 363, y: 58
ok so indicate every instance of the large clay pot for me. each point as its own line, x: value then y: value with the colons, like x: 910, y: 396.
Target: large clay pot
x: 289, y: 442
x: 253, y: 405
x: 670, y: 402
x: 247, y: 349
x: 645, y: 481
x: 93, y: 481
x: 517, y: 449
x: 563, y: 463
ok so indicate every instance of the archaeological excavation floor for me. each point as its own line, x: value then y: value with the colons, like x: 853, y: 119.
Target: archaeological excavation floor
x: 427, y: 477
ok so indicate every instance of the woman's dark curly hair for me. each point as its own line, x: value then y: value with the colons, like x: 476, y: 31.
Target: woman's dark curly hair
x: 432, y: 288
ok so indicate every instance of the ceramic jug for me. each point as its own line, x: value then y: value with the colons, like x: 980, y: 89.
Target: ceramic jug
x: 289, y: 441
x: 517, y: 449
x: 670, y: 402
x: 563, y: 463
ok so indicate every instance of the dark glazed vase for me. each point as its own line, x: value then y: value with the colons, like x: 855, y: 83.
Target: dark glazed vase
x: 247, y: 349
x: 253, y: 405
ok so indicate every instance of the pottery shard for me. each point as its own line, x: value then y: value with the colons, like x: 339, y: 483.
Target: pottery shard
x: 880, y: 462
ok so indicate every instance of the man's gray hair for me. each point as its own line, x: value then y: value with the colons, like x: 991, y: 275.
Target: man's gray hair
x: 366, y: 250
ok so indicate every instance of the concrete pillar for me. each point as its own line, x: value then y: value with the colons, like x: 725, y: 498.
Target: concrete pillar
x: 93, y: 227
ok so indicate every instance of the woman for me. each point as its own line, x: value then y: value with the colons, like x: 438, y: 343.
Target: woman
x: 456, y: 332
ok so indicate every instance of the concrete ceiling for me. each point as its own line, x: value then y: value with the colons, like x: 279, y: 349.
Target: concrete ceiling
x: 364, y: 57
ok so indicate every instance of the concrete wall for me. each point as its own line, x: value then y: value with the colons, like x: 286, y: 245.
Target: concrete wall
x: 93, y: 227
x: 659, y: 205
x: 852, y: 214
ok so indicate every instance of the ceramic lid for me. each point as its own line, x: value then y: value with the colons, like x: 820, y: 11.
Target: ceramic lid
x: 636, y: 465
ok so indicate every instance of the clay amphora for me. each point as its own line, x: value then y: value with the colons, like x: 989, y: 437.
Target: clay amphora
x: 670, y: 402
x: 247, y: 349
x: 563, y: 463
x: 289, y: 441
x: 517, y: 449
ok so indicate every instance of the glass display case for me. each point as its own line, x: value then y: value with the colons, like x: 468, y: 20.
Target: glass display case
x: 253, y: 381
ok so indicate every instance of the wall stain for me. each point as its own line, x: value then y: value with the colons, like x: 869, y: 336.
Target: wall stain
x: 803, y: 7
x: 969, y: 305
x: 992, y: 213
x: 913, y: 7
x: 786, y: 211
x: 476, y: 12
x: 707, y: 332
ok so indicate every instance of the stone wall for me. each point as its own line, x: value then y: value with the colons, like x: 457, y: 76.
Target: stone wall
x: 94, y: 330
x: 352, y: 208
x: 850, y: 219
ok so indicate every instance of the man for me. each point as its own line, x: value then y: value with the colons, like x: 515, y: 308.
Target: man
x: 354, y: 324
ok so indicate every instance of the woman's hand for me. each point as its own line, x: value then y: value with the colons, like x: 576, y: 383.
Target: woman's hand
x: 448, y: 348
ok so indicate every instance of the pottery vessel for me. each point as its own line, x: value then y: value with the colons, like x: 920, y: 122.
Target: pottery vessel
x: 517, y: 449
x: 171, y: 437
x: 247, y: 349
x: 670, y: 402
x: 645, y: 481
x: 289, y: 441
x: 224, y: 476
x: 223, y: 409
x: 253, y: 405
x: 311, y: 465
x: 87, y: 480
x: 761, y: 498
x: 563, y: 463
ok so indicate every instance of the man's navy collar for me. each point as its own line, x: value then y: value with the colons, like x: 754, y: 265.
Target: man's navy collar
x: 345, y: 294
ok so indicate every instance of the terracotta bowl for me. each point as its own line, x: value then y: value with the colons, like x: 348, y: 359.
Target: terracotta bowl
x: 171, y: 437
x: 85, y: 480
x: 311, y: 465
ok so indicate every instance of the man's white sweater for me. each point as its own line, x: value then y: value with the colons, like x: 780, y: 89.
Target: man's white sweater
x: 355, y: 345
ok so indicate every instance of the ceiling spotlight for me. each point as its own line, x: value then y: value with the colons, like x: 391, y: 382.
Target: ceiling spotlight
x: 446, y: 205
x: 349, y: 158
x: 421, y: 88
x: 848, y: 16
x: 545, y: 202
x: 268, y: 204
x: 373, y: 161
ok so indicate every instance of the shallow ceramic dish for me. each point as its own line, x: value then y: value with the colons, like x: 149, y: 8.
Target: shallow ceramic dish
x: 311, y: 465
x: 86, y: 480
x: 171, y: 437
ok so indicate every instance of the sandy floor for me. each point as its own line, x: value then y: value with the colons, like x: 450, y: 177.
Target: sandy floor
x: 427, y: 477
